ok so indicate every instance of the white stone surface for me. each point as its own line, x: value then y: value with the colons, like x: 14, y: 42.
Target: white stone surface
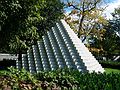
x: 60, y: 47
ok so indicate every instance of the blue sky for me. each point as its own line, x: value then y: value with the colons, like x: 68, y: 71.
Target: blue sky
x: 111, y: 5
x: 109, y: 1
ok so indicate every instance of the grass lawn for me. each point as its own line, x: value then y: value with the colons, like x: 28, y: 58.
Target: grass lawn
x: 110, y: 70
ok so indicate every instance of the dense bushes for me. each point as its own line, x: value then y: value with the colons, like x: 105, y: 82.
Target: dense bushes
x: 110, y: 64
x: 60, y: 79
x: 13, y: 79
x: 78, y: 81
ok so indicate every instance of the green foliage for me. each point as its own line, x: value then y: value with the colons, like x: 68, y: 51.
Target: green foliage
x: 89, y: 21
x: 110, y: 70
x: 22, y: 22
x: 18, y: 80
x: 62, y: 79
x: 21, y: 75
x: 81, y: 81
x: 51, y: 11
x: 111, y: 39
x: 110, y: 64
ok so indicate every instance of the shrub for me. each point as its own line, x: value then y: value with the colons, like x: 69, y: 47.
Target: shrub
x: 110, y: 64
x: 63, y: 79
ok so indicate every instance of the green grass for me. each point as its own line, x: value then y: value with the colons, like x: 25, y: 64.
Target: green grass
x: 110, y: 70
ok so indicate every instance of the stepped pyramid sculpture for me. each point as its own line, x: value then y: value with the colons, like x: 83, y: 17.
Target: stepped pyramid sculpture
x: 59, y: 48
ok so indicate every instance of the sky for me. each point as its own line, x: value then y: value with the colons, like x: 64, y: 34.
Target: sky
x: 111, y: 5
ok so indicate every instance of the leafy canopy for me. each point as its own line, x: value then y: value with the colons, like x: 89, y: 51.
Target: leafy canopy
x: 23, y: 22
x: 86, y: 17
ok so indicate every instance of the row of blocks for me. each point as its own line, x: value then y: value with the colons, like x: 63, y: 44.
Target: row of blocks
x: 89, y: 60
x: 59, y: 48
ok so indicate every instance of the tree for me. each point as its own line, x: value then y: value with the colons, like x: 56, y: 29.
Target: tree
x: 89, y: 17
x: 111, y: 42
x: 23, y: 22
x: 115, y: 22
x: 87, y: 20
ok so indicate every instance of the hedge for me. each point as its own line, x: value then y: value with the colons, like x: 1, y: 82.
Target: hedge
x: 110, y: 64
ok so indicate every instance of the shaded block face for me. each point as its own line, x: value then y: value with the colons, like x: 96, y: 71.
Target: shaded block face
x: 59, y: 48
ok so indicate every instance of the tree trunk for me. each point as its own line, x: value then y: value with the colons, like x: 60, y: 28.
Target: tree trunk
x: 80, y: 25
x: 19, y: 55
x: 81, y: 20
